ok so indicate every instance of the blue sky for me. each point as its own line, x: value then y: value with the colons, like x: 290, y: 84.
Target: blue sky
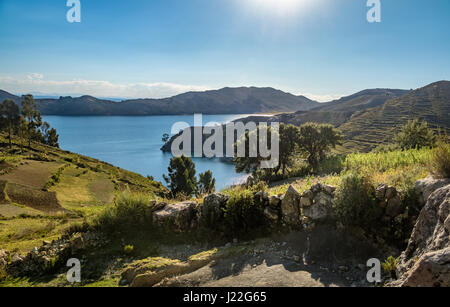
x: 156, y: 48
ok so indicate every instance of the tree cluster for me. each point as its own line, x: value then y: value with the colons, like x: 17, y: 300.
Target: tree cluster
x: 182, y: 178
x: 311, y: 141
x: 26, y: 123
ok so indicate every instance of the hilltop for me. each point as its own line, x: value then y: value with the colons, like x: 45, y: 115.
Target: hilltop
x: 224, y: 101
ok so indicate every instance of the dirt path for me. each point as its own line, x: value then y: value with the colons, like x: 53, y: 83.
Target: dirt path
x: 287, y: 261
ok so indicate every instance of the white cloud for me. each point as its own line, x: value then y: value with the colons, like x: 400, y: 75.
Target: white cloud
x: 36, y: 83
x: 323, y: 98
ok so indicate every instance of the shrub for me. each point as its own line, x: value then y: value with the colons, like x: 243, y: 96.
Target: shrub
x: 415, y: 134
x: 355, y: 203
x: 390, y: 266
x: 128, y: 212
x: 128, y: 249
x: 440, y: 160
x: 241, y: 212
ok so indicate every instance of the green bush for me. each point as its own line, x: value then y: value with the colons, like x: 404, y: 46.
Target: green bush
x: 440, y: 160
x: 355, y: 203
x: 415, y: 134
x: 390, y: 266
x: 128, y: 249
x: 241, y: 212
x: 128, y: 213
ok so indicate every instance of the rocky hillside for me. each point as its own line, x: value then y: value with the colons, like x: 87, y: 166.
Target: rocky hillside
x: 224, y: 101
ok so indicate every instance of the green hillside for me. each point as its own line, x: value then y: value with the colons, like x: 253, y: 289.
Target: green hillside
x: 366, y: 129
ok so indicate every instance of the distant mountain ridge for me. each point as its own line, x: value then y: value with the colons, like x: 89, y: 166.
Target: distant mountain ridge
x: 224, y: 101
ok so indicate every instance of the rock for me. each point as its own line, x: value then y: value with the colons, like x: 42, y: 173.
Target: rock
x: 380, y: 192
x: 305, y: 202
x: 158, y: 206
x: 274, y: 201
x: 316, y: 188
x: 77, y: 243
x: 4, y: 254
x: 321, y: 208
x: 16, y: 258
x: 211, y: 210
x: 329, y: 189
x: 427, y: 186
x: 271, y: 214
x: 308, y: 194
x: 297, y: 258
x: 431, y: 270
x: 425, y: 262
x: 394, y: 206
x: 177, y: 217
x: 390, y: 192
x: 290, y: 207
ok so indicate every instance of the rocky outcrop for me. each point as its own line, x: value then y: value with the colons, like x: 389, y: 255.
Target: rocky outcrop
x: 426, y: 186
x: 51, y: 254
x: 317, y: 203
x: 426, y: 260
x: 178, y: 217
x: 290, y: 207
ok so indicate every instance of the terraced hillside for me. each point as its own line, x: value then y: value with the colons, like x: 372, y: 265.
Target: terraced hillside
x: 366, y: 129
x: 339, y: 111
x: 44, y: 190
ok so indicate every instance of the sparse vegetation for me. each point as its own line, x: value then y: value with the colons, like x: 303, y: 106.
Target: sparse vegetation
x: 355, y: 203
x: 390, y: 266
x: 440, y: 160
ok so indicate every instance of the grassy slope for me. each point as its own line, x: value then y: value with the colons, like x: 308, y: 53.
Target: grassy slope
x: 84, y: 188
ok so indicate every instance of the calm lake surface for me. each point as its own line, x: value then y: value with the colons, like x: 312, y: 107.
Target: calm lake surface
x: 134, y: 143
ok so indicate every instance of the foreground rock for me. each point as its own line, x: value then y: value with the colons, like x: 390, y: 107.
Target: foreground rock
x: 178, y: 217
x: 427, y: 186
x: 290, y: 207
x: 317, y: 202
x: 426, y: 261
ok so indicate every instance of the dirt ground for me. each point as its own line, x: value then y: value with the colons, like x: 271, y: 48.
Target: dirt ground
x: 334, y: 260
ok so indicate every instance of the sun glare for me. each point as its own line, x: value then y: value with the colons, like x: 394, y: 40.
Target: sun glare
x: 281, y: 7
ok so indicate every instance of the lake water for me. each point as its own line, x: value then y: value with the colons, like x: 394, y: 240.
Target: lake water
x: 134, y: 143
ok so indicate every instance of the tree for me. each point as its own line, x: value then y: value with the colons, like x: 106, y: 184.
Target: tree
x: 181, y: 178
x: 165, y: 137
x: 206, y: 184
x: 31, y: 115
x: 49, y: 135
x: 289, y: 135
x: 10, y: 117
x: 316, y: 139
x: 415, y: 134
x: 251, y: 163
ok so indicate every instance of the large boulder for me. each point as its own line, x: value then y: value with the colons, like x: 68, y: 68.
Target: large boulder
x: 321, y: 207
x: 211, y: 212
x: 177, y: 217
x: 290, y: 207
x: 428, y: 185
x: 426, y: 260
